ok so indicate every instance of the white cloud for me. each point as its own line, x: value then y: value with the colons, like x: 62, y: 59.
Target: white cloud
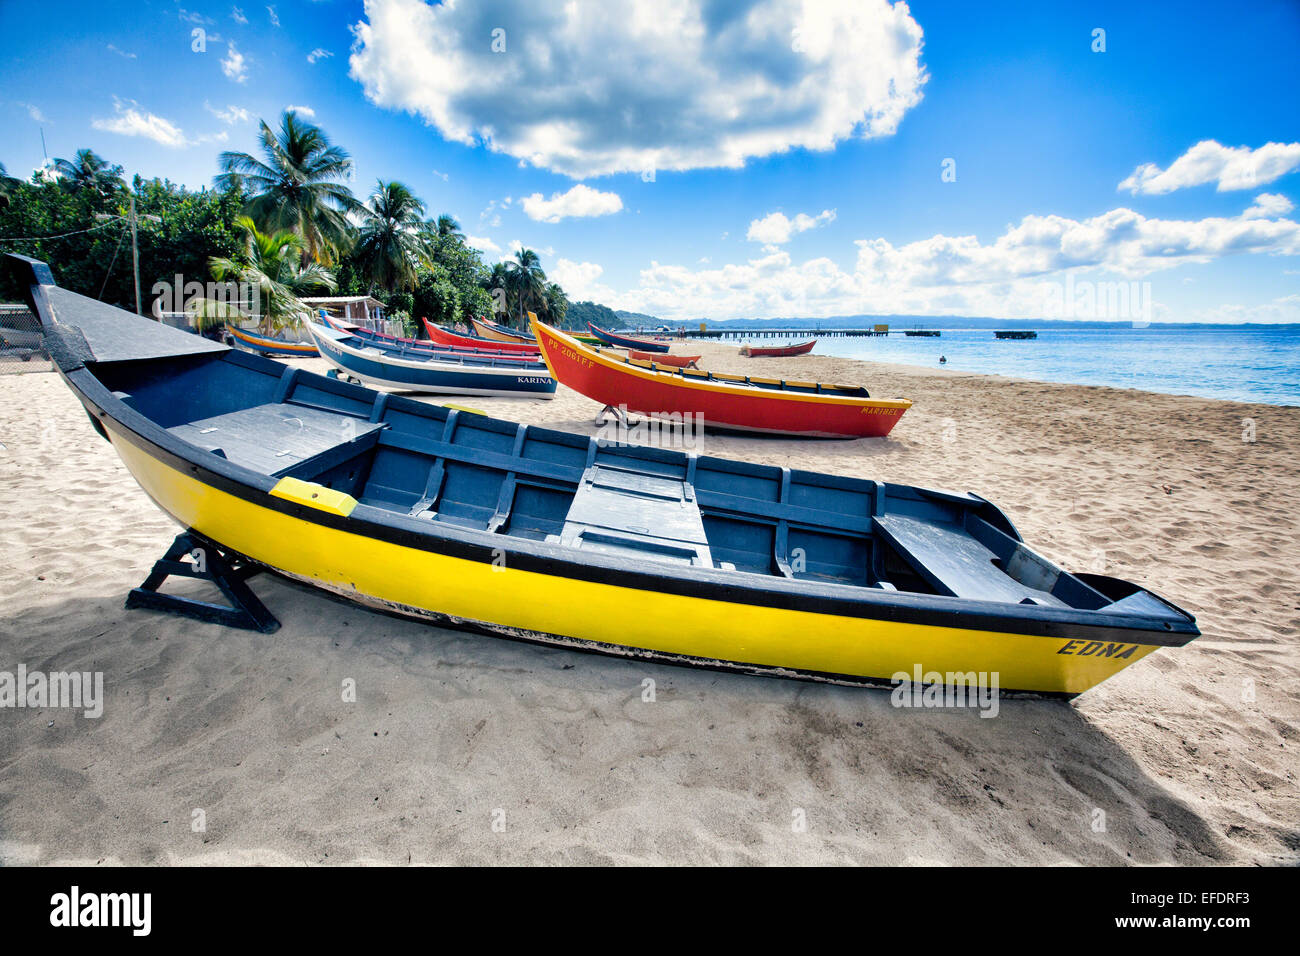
x: 230, y: 115
x: 579, y: 202
x: 635, y: 85
x: 950, y: 275
x: 34, y: 112
x: 275, y: 17
x: 120, y: 52
x: 579, y: 281
x: 1269, y: 206
x: 776, y: 229
x: 1231, y: 167
x: 491, y: 214
x: 237, y: 15
x: 190, y: 16
x: 306, y: 111
x: 482, y: 243
x: 234, y: 65
x: 132, y: 121
x: 441, y: 175
x: 1285, y: 309
x: 320, y: 53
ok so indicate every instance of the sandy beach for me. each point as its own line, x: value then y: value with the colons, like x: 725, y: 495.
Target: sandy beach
x: 1190, y: 755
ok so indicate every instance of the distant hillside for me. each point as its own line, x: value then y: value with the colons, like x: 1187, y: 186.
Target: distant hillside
x: 639, y: 319
x: 580, y: 313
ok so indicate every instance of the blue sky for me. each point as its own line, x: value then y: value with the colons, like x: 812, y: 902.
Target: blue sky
x: 746, y: 159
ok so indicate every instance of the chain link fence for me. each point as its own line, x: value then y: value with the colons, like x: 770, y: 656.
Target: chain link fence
x: 22, y: 348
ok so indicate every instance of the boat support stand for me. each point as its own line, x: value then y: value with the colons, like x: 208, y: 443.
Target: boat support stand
x: 614, y: 410
x: 207, y: 563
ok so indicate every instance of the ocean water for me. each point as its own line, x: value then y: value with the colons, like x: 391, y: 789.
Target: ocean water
x: 1248, y: 364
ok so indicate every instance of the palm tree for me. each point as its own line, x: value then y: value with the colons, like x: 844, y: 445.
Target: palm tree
x: 6, y: 183
x: 498, y: 279
x: 89, y: 170
x: 447, y: 226
x: 300, y: 186
x: 391, y: 249
x: 274, y: 268
x: 557, y: 303
x: 527, y: 282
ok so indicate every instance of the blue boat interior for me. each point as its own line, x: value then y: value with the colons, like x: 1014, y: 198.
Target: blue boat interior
x: 452, y: 467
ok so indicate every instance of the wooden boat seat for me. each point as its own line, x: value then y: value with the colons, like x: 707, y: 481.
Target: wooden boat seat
x: 953, y: 561
x: 277, y: 438
x: 637, y: 515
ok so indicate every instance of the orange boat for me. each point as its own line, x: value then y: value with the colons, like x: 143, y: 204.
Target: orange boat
x: 728, y: 402
x: 490, y: 330
x: 677, y: 361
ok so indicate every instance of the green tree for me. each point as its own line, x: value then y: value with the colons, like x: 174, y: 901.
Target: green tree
x: 390, y: 249
x: 300, y: 186
x: 92, y: 256
x: 527, y: 283
x: 437, y: 298
x: 557, y: 304
x: 446, y: 226
x: 89, y: 170
x: 272, y: 262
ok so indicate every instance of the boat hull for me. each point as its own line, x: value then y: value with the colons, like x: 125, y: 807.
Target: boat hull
x: 676, y: 361
x: 626, y: 341
x: 730, y: 407
x: 491, y: 331
x: 530, y: 604
x: 441, y: 336
x: 434, y: 376
x: 265, y: 346
x: 778, y: 351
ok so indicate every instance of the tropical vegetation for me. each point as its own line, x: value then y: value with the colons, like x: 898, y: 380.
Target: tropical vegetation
x: 282, y: 218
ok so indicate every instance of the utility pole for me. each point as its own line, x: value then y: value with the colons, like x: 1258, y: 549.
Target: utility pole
x: 134, y: 219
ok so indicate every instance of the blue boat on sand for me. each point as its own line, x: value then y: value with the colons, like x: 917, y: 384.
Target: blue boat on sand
x: 419, y: 370
x: 626, y: 341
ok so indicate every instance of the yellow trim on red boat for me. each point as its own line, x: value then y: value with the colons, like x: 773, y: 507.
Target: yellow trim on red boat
x: 719, y: 382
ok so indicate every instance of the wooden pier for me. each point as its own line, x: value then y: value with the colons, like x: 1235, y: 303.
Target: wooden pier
x: 766, y: 333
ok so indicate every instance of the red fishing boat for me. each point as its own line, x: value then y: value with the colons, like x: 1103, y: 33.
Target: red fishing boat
x: 731, y: 402
x: 777, y: 351
x: 441, y: 336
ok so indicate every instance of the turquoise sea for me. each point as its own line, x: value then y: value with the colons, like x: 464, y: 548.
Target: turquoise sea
x: 1249, y: 364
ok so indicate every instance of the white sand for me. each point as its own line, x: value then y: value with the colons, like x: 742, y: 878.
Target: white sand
x: 450, y: 726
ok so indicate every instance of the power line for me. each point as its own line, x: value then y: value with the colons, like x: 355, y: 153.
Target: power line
x: 64, y: 235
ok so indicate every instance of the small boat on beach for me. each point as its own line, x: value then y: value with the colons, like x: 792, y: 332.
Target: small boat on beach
x: 458, y: 518
x: 677, y: 361
x: 491, y: 330
x: 266, y: 345
x: 441, y: 336
x: 424, y: 345
x: 420, y: 370
x: 626, y: 341
x: 777, y: 351
x: 727, y: 402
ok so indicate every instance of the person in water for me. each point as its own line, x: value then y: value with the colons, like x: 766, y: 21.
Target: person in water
x: 943, y: 360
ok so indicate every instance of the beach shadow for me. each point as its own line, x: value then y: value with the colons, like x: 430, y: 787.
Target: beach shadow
x: 598, y: 758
